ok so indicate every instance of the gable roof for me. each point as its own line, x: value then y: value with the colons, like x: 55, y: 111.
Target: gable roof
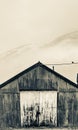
x: 33, y: 67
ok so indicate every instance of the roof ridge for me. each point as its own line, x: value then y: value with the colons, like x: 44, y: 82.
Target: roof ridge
x: 32, y: 67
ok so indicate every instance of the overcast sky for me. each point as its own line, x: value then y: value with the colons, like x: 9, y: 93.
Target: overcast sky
x: 38, y: 30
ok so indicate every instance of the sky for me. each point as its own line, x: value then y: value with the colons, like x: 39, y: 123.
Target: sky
x: 38, y: 30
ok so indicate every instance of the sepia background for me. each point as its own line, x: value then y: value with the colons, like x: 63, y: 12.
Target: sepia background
x: 38, y: 30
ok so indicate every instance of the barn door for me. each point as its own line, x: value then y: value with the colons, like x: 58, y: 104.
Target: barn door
x: 38, y: 108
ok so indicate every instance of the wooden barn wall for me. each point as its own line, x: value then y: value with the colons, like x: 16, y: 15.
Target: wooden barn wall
x: 10, y: 105
x: 37, y: 79
x: 41, y: 79
x: 67, y: 104
x: 68, y: 109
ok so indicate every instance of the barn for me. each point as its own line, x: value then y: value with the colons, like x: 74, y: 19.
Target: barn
x: 38, y: 96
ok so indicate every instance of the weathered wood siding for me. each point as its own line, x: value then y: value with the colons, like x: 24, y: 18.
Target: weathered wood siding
x: 41, y: 79
x: 38, y: 108
x: 38, y: 79
x: 68, y: 109
x: 10, y: 105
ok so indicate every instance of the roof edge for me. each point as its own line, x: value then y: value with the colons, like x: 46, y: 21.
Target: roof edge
x: 32, y: 67
x: 19, y: 74
x: 61, y: 76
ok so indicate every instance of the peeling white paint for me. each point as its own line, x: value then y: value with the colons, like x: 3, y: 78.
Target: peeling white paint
x: 47, y: 102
